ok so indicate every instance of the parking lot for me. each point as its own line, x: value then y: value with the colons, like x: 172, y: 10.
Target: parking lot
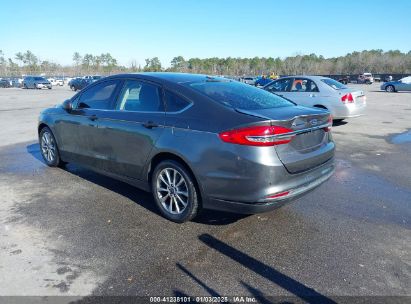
x: 75, y: 232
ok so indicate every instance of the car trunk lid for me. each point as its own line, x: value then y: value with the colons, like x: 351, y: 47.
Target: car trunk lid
x: 311, y: 144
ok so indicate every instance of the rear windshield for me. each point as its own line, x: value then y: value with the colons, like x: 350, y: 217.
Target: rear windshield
x: 239, y: 95
x: 334, y: 84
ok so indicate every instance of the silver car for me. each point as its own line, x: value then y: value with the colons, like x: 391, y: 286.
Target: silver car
x: 403, y: 84
x: 321, y: 92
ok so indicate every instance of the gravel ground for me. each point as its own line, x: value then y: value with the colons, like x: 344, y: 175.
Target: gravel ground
x: 75, y: 232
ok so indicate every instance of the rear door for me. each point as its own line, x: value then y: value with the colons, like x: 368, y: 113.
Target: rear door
x: 304, y: 92
x: 128, y: 133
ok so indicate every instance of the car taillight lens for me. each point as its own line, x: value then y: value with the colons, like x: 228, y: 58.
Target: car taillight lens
x: 347, y: 98
x: 330, y: 124
x: 258, y: 136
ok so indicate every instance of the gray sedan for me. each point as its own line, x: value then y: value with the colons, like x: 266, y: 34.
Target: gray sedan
x: 403, y: 84
x: 320, y: 92
x: 194, y: 141
x: 36, y: 82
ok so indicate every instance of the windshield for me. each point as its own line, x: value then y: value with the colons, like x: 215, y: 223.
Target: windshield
x: 334, y: 84
x: 40, y: 78
x: 239, y: 95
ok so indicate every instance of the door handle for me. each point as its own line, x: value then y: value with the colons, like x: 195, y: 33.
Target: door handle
x: 93, y: 117
x: 150, y: 124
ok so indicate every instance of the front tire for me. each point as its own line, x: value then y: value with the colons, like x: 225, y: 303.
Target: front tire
x: 48, y: 148
x: 175, y: 192
x: 390, y: 89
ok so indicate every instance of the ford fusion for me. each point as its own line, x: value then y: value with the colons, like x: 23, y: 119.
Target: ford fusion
x: 194, y: 141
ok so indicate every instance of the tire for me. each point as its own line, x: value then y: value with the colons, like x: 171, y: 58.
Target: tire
x: 49, y: 149
x: 172, y: 186
x: 73, y: 88
x: 390, y: 88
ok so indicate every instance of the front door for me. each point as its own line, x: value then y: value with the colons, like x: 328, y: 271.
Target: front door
x: 128, y: 133
x: 78, y: 129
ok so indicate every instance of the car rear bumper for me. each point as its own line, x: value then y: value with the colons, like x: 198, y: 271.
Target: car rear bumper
x: 350, y: 111
x: 301, y: 185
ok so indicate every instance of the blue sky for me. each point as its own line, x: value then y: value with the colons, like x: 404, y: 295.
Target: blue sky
x: 135, y: 30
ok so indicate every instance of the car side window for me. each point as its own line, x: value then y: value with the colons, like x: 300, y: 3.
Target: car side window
x: 282, y: 85
x: 140, y: 96
x: 98, y: 97
x: 303, y: 85
x: 174, y: 103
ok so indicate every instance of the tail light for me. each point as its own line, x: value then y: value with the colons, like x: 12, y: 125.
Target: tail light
x: 347, y: 98
x: 258, y: 136
x: 330, y: 124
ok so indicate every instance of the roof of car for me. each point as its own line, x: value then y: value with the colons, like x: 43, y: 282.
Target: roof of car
x: 172, y: 77
x: 306, y: 76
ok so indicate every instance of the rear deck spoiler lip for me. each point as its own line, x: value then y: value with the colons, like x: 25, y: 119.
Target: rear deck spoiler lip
x: 251, y: 113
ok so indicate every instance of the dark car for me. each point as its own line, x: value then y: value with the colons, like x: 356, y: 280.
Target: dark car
x: 78, y: 84
x: 194, y: 141
x: 5, y: 83
x: 36, y: 82
x: 344, y: 80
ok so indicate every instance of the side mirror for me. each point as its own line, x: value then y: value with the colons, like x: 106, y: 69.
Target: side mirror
x: 67, y: 105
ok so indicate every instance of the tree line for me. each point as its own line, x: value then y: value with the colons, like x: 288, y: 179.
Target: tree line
x: 374, y: 61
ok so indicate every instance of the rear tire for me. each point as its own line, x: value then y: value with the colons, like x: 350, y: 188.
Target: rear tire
x: 175, y: 192
x: 49, y: 149
x: 390, y: 89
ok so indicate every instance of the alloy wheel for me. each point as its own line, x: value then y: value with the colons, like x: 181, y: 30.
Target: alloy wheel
x: 172, y: 191
x: 48, y: 147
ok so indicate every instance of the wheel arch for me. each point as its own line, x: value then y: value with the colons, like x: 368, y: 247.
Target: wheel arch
x: 164, y: 155
x: 41, y: 126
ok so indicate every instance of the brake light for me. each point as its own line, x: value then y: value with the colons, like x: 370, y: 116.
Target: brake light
x: 347, y: 98
x: 258, y: 136
x: 330, y: 124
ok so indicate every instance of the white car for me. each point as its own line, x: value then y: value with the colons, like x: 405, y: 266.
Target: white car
x: 56, y: 82
x: 321, y: 92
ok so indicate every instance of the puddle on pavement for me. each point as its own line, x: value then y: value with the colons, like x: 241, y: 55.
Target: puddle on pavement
x: 402, y: 138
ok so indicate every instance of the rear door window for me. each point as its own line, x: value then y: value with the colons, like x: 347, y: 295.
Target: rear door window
x: 140, y: 96
x: 303, y: 85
